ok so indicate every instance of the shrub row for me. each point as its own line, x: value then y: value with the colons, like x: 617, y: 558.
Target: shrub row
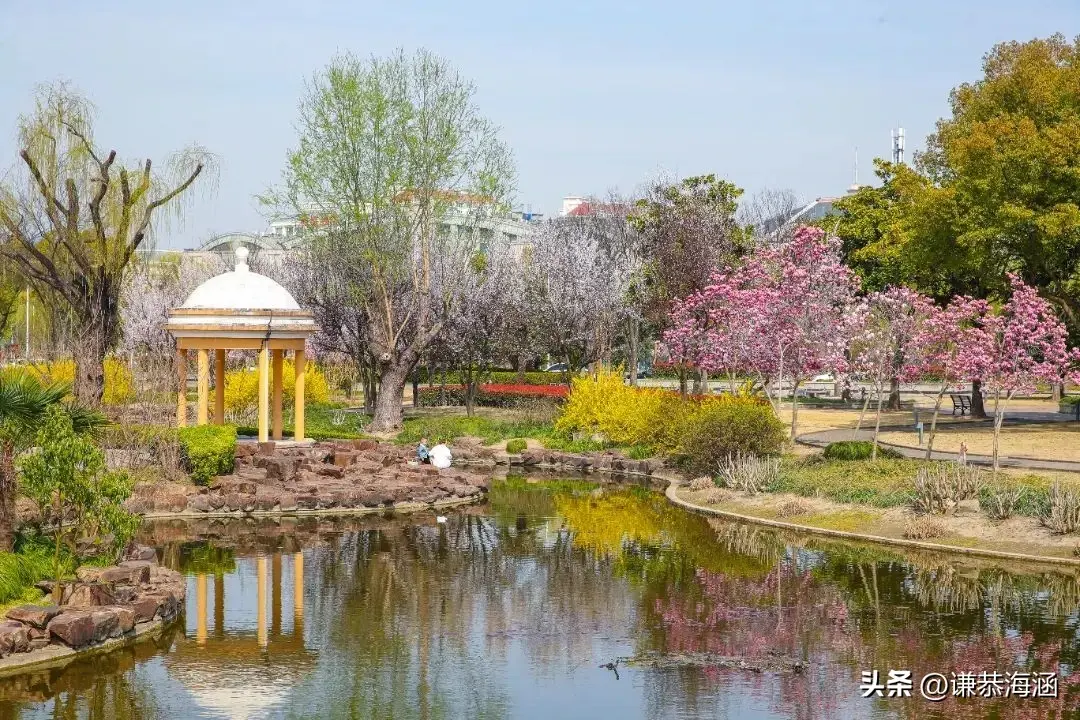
x: 119, y: 385
x: 498, y: 377
x: 492, y: 395
x: 242, y: 389
x: 856, y: 450
x: 697, y: 432
x: 207, y: 451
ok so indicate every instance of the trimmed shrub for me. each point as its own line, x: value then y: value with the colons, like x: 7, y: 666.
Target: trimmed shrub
x: 728, y: 426
x: 856, y: 450
x: 1001, y: 502
x: 516, y: 446
x: 208, y: 451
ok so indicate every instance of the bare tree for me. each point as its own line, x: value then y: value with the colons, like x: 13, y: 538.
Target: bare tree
x: 389, y: 148
x: 767, y: 215
x: 75, y: 226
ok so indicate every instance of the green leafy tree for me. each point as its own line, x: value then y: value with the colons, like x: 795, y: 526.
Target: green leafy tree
x: 80, y: 501
x: 387, y: 149
x: 24, y: 401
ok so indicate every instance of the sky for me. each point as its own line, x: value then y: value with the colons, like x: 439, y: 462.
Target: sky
x: 590, y: 96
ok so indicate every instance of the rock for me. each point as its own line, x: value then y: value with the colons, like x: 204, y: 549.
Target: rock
x: 531, y: 457
x: 267, y: 498
x: 278, y: 468
x: 266, y: 448
x: 199, y: 503
x: 371, y: 498
x: 344, y: 458
x: 145, y: 607
x: 364, y: 445
x: 216, y: 500
x: 14, y: 638
x: 74, y: 628
x: 233, y: 502
x: 130, y: 572
x: 137, y: 505
x: 125, y: 618
x: 91, y: 595
x: 333, y: 471
x: 106, y: 623
x: 326, y: 501
x: 88, y: 573
x: 287, y: 502
x: 245, y: 450
x: 35, y: 615
x: 307, y: 502
x: 125, y: 593
x: 38, y: 644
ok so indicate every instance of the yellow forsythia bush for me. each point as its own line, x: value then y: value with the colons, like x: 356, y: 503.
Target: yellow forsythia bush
x: 119, y: 385
x: 242, y: 388
x: 697, y: 429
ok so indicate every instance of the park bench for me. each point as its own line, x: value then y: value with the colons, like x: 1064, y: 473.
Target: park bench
x: 961, y: 403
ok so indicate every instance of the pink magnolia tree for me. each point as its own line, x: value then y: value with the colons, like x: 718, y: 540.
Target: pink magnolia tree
x: 944, y: 337
x: 783, y: 314
x: 887, y: 343
x: 1013, y: 349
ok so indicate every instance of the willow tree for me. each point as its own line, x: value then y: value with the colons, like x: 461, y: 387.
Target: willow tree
x: 73, y: 217
x: 389, y: 149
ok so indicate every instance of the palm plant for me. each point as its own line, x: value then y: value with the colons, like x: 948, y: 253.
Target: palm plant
x: 23, y: 402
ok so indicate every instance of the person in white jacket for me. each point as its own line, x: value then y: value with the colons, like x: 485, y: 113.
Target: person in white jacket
x: 440, y: 456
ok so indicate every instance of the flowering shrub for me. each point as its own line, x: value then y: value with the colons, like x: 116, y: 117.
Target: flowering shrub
x: 698, y: 430
x: 119, y: 387
x: 242, y: 389
x: 492, y: 395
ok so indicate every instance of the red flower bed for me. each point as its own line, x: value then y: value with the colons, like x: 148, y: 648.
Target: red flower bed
x: 492, y: 394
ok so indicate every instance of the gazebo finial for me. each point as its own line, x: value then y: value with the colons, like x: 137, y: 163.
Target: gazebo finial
x: 241, y: 259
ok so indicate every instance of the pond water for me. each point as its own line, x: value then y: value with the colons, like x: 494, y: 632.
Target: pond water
x: 509, y: 608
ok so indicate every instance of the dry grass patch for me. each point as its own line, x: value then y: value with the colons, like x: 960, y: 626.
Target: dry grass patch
x: 1050, y: 441
x: 791, y: 508
x: 924, y: 527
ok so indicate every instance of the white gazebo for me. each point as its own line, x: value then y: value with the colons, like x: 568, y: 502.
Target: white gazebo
x: 241, y: 310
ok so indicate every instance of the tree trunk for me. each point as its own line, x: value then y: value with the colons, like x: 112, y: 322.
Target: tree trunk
x: 681, y: 372
x: 416, y: 389
x: 701, y: 383
x: 1058, y: 390
x: 89, y: 354
x: 877, y: 423
x: 632, y: 339
x: 388, y: 410
x: 977, y: 408
x: 794, y: 410
x: 518, y: 364
x: 894, y: 394
x: 862, y: 414
x: 933, y: 421
x: 7, y: 497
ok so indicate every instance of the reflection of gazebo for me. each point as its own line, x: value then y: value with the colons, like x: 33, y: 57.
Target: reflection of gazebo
x: 237, y: 673
x: 241, y: 310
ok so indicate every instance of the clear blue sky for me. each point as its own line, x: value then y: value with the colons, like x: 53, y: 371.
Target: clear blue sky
x: 590, y: 95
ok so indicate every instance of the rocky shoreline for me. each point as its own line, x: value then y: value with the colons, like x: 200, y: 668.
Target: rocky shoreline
x: 103, y: 606
x: 356, y: 476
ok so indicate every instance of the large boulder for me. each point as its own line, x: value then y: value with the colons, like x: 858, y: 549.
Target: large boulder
x: 74, y: 628
x: 200, y: 503
x: 14, y: 638
x: 91, y: 595
x: 36, y: 615
x: 129, y: 572
x: 278, y: 468
x: 106, y: 623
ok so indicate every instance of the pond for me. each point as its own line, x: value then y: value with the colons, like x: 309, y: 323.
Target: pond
x: 508, y: 609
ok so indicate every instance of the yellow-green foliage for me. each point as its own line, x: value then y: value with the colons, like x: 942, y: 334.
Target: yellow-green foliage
x: 708, y: 427
x: 242, y: 388
x: 119, y: 386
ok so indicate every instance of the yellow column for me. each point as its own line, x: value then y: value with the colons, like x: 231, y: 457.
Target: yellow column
x: 277, y: 361
x: 298, y: 420
x: 264, y: 394
x: 219, y: 387
x: 260, y: 621
x: 200, y: 606
x: 204, y: 386
x: 181, y: 393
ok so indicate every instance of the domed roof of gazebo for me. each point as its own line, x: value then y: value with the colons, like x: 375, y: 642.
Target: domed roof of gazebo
x: 241, y: 289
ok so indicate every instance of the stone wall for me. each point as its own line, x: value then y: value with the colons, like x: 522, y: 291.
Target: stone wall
x: 102, y: 604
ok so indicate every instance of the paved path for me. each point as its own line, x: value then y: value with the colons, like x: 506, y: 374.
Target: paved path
x: 825, y: 437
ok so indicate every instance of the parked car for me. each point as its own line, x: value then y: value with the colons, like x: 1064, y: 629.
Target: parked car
x: 556, y: 367
x: 644, y: 370
x: 826, y: 378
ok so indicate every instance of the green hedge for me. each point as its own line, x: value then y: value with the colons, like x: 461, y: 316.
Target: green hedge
x: 856, y: 450
x: 207, y: 451
x: 438, y: 396
x: 516, y: 446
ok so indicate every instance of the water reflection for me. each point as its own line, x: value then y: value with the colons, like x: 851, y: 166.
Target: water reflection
x: 506, y: 610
